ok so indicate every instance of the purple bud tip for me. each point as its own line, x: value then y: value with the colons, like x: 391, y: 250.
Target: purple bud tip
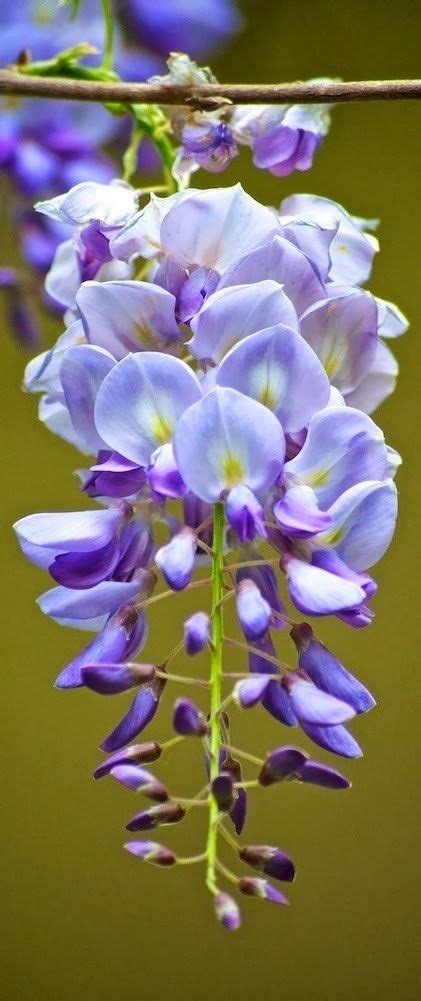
x: 140, y: 780
x: 253, y: 887
x: 196, y: 632
x: 227, y: 911
x: 320, y: 775
x: 187, y: 719
x: 164, y: 813
x: 223, y: 791
x: 272, y: 861
x: 281, y: 764
x: 152, y: 852
x: 136, y: 754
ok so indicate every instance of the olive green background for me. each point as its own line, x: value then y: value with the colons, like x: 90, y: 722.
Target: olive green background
x: 82, y: 920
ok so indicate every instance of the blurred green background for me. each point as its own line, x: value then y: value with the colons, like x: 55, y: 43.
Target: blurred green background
x: 82, y: 920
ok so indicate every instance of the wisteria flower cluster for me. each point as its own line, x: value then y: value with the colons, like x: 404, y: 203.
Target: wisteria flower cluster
x: 219, y: 365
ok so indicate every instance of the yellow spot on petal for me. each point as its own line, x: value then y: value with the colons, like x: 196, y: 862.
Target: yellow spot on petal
x: 332, y: 538
x: 267, y: 397
x: 332, y: 365
x: 161, y: 430
x: 233, y: 471
x: 145, y: 334
x: 318, y: 478
x: 334, y: 352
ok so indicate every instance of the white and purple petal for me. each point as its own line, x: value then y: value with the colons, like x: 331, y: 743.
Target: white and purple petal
x: 126, y: 316
x: 279, y: 369
x: 231, y: 314
x: 140, y: 401
x: 227, y: 439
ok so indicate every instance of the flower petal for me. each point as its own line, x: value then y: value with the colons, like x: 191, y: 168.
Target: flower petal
x: 228, y: 439
x: 317, y: 592
x: 82, y: 371
x: 343, y: 447
x: 126, y: 316
x: 140, y: 402
x: 277, y: 368
x: 231, y: 314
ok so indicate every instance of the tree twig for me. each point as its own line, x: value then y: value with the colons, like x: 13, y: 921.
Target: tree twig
x: 15, y: 83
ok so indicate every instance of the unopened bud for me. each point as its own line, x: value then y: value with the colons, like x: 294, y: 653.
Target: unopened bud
x: 254, y: 887
x: 247, y: 693
x: 164, y: 813
x: 253, y: 610
x: 176, y: 559
x: 140, y: 780
x: 281, y: 764
x: 196, y: 632
x: 223, y: 791
x: 187, y: 719
x: 136, y: 754
x: 272, y: 861
x: 152, y: 852
x: 227, y: 911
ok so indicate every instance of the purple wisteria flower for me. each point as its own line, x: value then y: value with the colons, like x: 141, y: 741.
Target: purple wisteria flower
x: 283, y: 138
x: 223, y: 401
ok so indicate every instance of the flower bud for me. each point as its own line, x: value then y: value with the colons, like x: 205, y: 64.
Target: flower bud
x: 248, y: 693
x: 253, y: 610
x: 196, y: 632
x: 272, y: 861
x: 327, y: 672
x: 227, y: 911
x: 245, y: 514
x: 187, y: 719
x: 223, y: 791
x: 238, y: 811
x: 281, y: 764
x: 150, y: 851
x: 176, y: 559
x: 311, y: 705
x: 164, y: 813
x: 111, y: 679
x: 140, y: 780
x: 163, y: 474
x: 136, y: 754
x: 253, y: 887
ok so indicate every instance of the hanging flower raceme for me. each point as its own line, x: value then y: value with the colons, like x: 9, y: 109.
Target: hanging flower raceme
x: 224, y: 401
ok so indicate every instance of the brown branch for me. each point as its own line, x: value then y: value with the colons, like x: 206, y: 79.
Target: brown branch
x: 14, y: 83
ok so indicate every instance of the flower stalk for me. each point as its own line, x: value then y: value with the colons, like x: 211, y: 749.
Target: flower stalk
x: 216, y: 688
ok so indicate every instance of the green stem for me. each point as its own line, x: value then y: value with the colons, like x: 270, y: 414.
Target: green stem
x: 108, y: 57
x: 130, y: 155
x: 166, y: 151
x: 216, y: 687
